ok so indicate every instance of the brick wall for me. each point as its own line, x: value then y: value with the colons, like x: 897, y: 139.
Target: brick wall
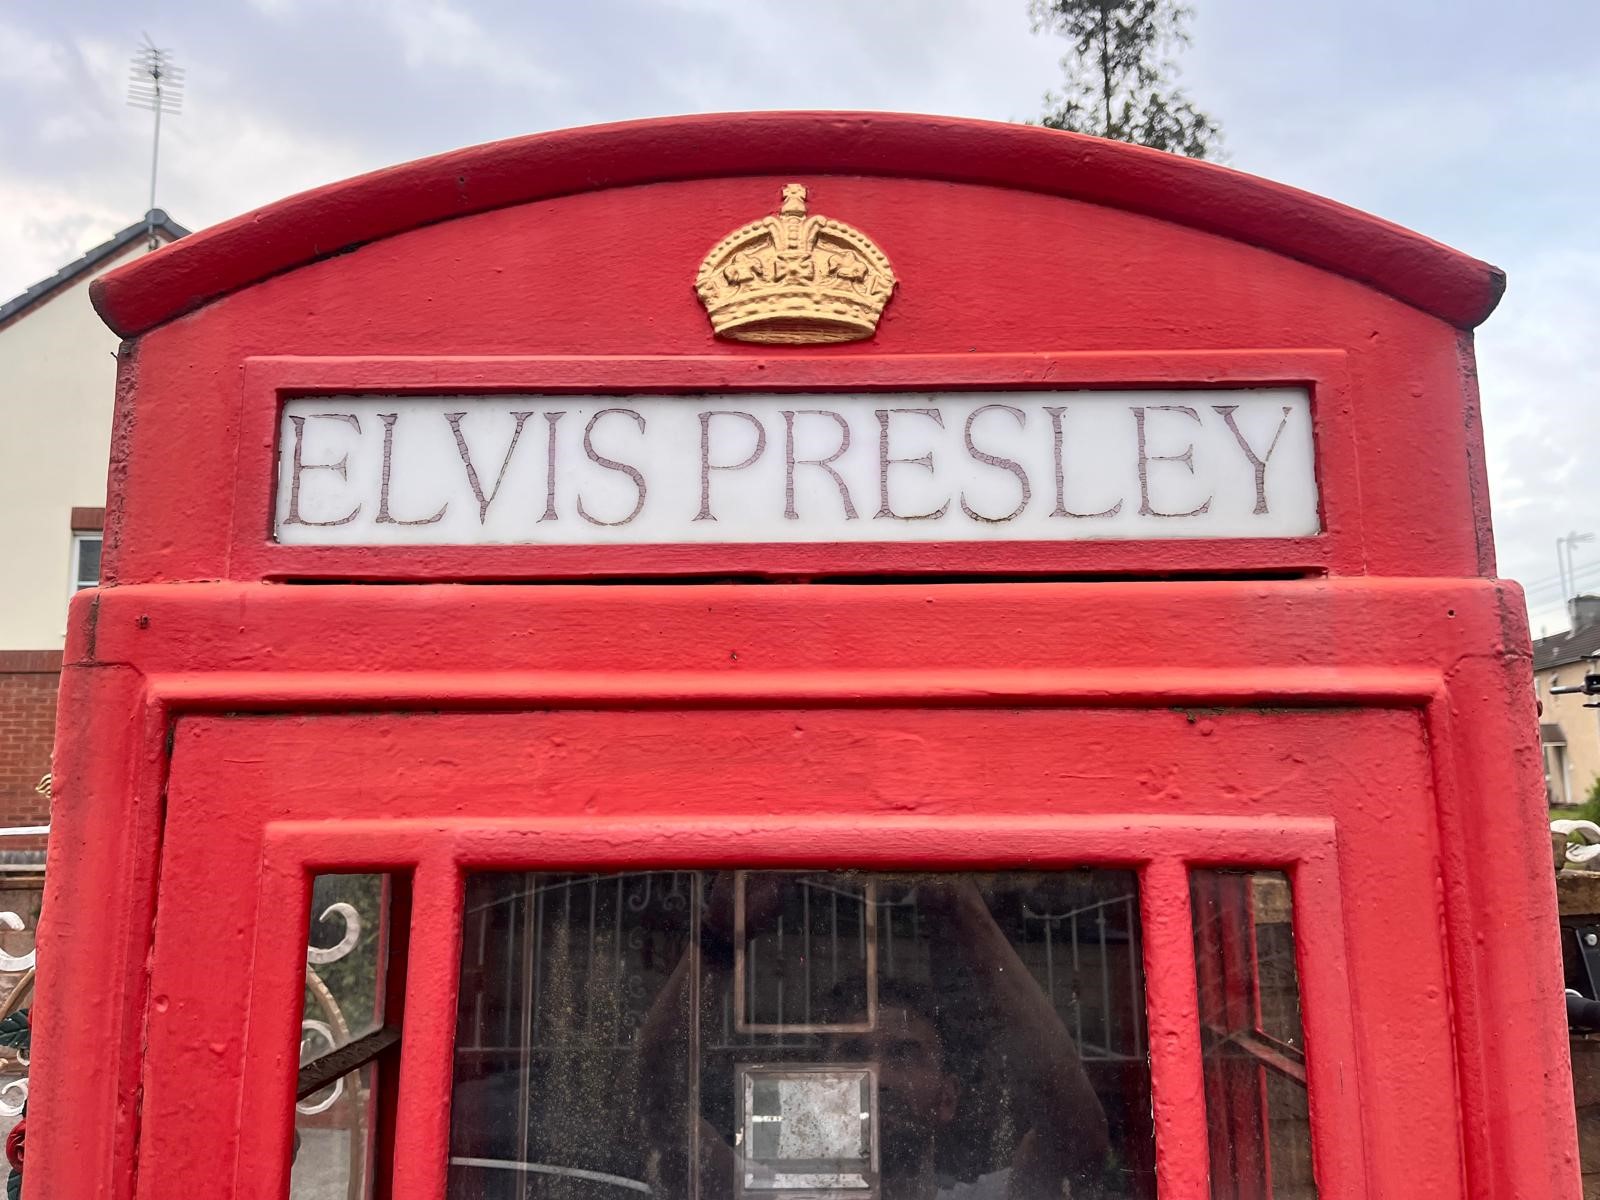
x: 28, y: 682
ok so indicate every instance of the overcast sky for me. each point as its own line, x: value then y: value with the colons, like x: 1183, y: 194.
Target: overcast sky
x: 1445, y: 115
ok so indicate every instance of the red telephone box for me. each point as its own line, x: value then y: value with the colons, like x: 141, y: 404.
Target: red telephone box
x: 799, y: 656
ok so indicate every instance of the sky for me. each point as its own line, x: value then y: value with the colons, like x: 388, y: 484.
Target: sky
x: 1443, y: 115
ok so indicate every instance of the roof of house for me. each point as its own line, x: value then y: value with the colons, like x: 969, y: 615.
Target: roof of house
x: 155, y: 220
x: 1559, y: 649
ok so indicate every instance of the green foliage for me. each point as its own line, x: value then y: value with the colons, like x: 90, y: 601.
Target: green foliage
x: 1120, y: 74
x: 1590, y: 809
x: 353, y: 980
x: 16, y: 1031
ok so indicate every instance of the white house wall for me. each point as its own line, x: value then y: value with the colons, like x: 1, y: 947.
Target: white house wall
x: 58, y: 373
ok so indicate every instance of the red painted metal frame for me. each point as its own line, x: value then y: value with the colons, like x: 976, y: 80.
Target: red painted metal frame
x: 1106, y: 286
x: 215, y: 262
x: 674, y: 659
x: 268, y: 381
x: 1413, y: 801
x: 441, y: 854
x: 291, y: 849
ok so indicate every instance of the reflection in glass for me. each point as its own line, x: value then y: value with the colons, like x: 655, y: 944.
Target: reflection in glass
x: 807, y: 1129
x: 332, y: 1147
x: 806, y: 954
x: 801, y: 1034
x: 1255, y: 1063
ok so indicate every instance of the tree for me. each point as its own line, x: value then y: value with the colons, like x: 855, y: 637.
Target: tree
x: 1120, y: 74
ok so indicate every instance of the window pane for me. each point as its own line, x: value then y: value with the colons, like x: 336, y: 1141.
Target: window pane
x: 346, y: 955
x: 333, y: 1137
x: 724, y: 1034
x: 347, y: 952
x: 1255, y: 1076
x: 86, y: 569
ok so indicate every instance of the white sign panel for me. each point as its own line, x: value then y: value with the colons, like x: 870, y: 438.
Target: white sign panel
x: 834, y: 467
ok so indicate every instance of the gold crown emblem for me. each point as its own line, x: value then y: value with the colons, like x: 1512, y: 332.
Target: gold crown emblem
x: 793, y: 279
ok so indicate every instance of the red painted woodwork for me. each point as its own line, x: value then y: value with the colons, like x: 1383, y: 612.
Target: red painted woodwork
x: 1350, y: 708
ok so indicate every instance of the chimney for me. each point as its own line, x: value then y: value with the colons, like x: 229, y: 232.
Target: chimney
x: 1584, y: 611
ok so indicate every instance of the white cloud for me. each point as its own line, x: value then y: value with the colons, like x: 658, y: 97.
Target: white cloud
x: 277, y: 9
x: 435, y: 33
x: 104, y: 68
x: 1539, y: 368
x: 30, y: 61
x: 226, y: 158
x: 55, y: 226
x: 967, y: 57
x: 438, y: 34
x: 64, y: 127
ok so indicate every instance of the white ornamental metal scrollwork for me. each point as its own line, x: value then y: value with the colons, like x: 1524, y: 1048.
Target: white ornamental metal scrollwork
x: 334, y: 1032
x: 17, y: 1088
x: 321, y: 957
x: 14, y: 1071
x: 17, y: 978
x: 14, y: 1092
x: 13, y: 964
x: 314, y: 1028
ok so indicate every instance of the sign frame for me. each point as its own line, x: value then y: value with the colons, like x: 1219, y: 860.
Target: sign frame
x: 269, y: 381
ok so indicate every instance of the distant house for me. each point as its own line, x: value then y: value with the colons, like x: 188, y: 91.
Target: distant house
x: 58, y: 370
x: 1570, y: 733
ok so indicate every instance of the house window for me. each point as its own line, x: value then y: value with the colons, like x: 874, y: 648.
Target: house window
x: 1555, y: 775
x: 85, y: 560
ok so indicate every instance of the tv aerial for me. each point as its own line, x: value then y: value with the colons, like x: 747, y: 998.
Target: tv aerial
x: 155, y: 83
x: 1590, y: 685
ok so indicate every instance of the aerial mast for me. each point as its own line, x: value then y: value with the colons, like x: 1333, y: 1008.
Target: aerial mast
x: 156, y: 85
